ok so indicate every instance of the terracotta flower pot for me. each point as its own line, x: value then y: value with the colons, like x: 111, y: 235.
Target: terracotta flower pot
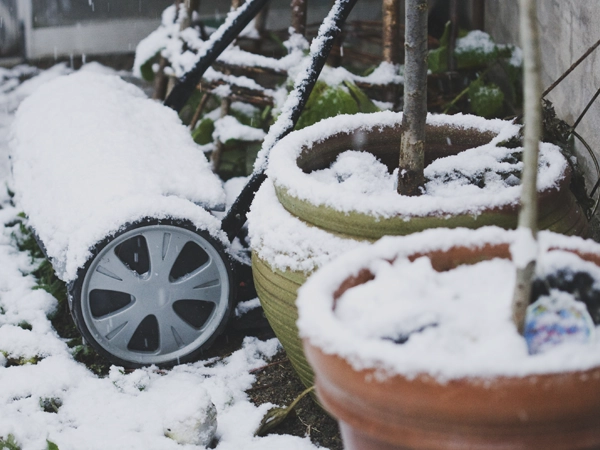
x: 305, y: 151
x: 384, y: 407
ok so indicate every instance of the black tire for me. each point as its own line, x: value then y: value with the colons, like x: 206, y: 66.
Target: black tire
x: 126, y: 300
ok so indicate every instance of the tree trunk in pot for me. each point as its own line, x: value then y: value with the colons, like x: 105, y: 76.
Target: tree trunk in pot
x: 528, y: 215
x: 410, y: 176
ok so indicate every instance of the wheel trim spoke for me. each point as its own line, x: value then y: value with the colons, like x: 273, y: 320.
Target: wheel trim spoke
x: 112, y: 274
x: 118, y: 328
x: 203, y: 284
x: 163, y: 249
x: 175, y: 333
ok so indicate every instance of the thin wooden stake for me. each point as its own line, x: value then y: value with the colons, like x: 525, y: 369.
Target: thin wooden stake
x: 199, y: 110
x: 391, y: 31
x: 528, y: 215
x: 215, y: 156
x: 299, y: 16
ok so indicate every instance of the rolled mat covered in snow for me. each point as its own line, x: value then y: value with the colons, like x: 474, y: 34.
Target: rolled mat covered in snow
x: 92, y: 153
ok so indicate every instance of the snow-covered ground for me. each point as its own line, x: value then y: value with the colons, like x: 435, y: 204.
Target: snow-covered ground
x: 145, y: 409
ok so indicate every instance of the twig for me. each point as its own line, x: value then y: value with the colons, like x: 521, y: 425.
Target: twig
x: 160, y: 80
x: 258, y: 388
x: 239, y: 93
x: 453, y: 35
x: 215, y: 156
x: 276, y: 415
x: 570, y: 69
x: 198, y: 111
x: 456, y: 99
x: 274, y: 363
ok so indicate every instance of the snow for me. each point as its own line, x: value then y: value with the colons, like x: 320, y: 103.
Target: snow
x: 247, y: 306
x: 516, y: 58
x: 79, y: 183
x: 359, y: 172
x: 157, y: 40
x: 134, y: 410
x: 241, y: 81
x: 524, y: 249
x: 286, y: 242
x: 458, y: 323
x: 238, y: 57
x: 228, y: 127
x: 447, y: 190
x: 384, y: 73
x: 304, y: 73
x: 184, y: 48
x: 476, y: 40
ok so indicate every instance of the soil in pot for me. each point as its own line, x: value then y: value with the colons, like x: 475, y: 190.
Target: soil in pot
x: 408, y: 354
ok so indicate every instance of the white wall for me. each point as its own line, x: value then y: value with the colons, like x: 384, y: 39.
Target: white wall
x: 568, y: 28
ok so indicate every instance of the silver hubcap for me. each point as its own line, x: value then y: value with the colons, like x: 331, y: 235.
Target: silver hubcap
x: 155, y: 294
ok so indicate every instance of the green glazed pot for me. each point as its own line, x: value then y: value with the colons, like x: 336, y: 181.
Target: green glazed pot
x: 558, y: 209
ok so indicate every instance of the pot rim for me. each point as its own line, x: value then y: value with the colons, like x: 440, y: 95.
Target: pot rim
x: 290, y: 180
x: 296, y: 245
x: 319, y: 325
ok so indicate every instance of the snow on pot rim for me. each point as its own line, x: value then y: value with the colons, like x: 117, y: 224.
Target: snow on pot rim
x: 499, y: 351
x: 286, y: 242
x: 92, y: 153
x: 290, y: 179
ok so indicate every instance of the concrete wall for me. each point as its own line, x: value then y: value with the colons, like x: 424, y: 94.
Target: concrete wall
x: 82, y: 27
x: 10, y: 33
x: 568, y: 28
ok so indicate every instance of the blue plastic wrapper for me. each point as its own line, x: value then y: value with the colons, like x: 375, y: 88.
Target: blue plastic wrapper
x: 557, y: 319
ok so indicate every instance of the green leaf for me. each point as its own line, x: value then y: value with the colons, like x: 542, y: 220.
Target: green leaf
x: 9, y: 443
x: 51, y: 445
x: 438, y: 58
x: 252, y: 120
x: 233, y: 160
x: 445, y: 39
x: 202, y: 134
x: 327, y: 101
x: 146, y: 68
x: 486, y: 98
x: 365, y: 104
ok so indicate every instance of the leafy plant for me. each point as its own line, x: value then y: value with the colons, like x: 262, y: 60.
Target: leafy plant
x: 329, y: 101
x: 486, y: 98
x: 9, y: 443
x: 491, y: 71
x: 61, y: 318
x: 202, y: 134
